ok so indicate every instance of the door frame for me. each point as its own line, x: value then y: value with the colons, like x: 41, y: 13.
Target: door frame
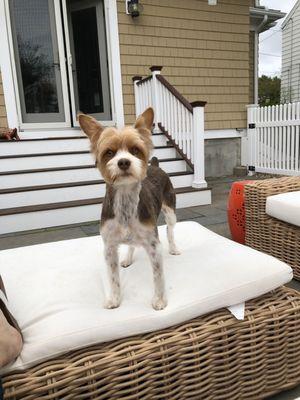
x: 71, y: 61
x: 61, y: 52
x: 9, y: 77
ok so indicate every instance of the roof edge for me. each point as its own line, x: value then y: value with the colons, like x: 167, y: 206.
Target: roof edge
x: 290, y: 14
x: 267, y: 11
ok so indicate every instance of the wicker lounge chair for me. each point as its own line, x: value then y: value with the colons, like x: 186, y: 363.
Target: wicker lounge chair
x: 211, y: 357
x: 267, y: 234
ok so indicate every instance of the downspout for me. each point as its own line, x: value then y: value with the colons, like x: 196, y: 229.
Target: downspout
x: 255, y: 67
x: 256, y: 47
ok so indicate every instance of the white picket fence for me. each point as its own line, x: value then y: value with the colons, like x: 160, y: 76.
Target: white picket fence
x: 182, y: 121
x: 274, y: 139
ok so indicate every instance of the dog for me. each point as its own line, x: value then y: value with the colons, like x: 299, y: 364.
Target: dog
x: 135, y: 195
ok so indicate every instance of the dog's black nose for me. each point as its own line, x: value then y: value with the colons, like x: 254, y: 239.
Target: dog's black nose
x: 124, y: 164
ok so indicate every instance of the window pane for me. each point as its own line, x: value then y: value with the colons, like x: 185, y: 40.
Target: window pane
x: 33, y: 34
x: 86, y: 45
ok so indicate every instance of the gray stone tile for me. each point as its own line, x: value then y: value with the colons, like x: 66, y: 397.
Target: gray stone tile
x: 161, y: 220
x: 293, y: 394
x: 186, y: 214
x: 211, y: 220
x: 220, y: 229
x: 294, y: 285
x: 28, y: 239
x: 208, y: 211
x: 91, y: 229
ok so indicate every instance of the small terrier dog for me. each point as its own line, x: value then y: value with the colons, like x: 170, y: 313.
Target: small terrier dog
x: 135, y: 195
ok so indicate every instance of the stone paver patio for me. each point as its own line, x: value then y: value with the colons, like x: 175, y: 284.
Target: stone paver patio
x: 214, y: 217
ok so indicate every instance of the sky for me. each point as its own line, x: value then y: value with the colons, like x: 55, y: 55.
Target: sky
x: 270, y: 41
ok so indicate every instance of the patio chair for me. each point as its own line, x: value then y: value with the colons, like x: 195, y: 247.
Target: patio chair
x: 210, y: 357
x: 205, y: 355
x: 265, y: 233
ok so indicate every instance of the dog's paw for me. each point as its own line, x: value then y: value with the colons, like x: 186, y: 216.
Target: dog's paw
x: 175, y: 252
x: 159, y: 303
x: 126, y: 263
x: 112, y: 303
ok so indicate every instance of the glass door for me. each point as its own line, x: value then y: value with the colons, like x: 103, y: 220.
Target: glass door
x: 87, y: 55
x: 40, y: 62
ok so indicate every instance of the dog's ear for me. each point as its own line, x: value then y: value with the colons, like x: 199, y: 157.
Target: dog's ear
x: 145, y: 120
x: 90, y: 126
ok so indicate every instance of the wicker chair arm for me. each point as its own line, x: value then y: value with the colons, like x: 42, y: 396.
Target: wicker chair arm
x: 256, y: 193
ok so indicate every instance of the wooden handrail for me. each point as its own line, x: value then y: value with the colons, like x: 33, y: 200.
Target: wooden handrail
x: 175, y: 92
x: 179, y: 96
x: 144, y: 80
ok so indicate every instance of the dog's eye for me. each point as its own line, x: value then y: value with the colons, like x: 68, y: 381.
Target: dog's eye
x: 134, y: 151
x: 110, y: 153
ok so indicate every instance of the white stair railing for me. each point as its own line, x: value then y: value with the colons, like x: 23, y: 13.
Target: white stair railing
x: 182, y: 122
x: 274, y: 139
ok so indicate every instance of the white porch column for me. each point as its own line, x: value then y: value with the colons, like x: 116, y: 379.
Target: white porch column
x: 198, y: 144
x: 135, y: 81
x: 251, y: 136
x: 155, y: 70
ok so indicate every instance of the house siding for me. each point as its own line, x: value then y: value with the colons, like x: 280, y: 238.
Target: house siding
x: 204, y: 51
x: 290, y: 75
x: 3, y: 119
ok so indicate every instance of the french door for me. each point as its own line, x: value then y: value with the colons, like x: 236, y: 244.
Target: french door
x: 61, y: 62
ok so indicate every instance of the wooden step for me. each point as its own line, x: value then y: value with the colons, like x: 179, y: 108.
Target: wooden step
x: 40, y: 216
x: 74, y: 212
x: 53, y: 133
x: 70, y: 191
x: 72, y: 173
x: 76, y: 203
x: 55, y: 145
x: 64, y: 159
x: 72, y: 184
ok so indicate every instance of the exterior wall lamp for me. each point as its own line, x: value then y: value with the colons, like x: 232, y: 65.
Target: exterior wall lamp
x: 134, y: 8
x: 212, y: 2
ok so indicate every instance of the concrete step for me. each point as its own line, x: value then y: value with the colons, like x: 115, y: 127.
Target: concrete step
x: 73, y: 212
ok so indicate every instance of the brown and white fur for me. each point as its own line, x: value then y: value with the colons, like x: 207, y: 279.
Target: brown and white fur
x: 135, y: 195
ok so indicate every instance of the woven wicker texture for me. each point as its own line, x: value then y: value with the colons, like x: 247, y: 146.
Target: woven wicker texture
x: 212, y: 357
x: 267, y: 234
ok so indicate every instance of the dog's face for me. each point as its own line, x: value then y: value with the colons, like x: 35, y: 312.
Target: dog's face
x: 121, y: 155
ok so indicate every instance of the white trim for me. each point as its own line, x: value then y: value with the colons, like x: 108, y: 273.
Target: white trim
x: 14, y: 90
x: 290, y: 14
x: 6, y: 70
x: 256, y: 60
x: 69, y: 60
x: 9, y: 77
x: 114, y: 61
x: 63, y: 69
x: 224, y: 133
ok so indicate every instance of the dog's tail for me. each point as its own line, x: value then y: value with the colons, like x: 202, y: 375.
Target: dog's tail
x: 154, y: 162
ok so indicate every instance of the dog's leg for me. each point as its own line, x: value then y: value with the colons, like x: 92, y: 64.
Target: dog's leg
x: 154, y: 251
x: 112, y: 259
x: 128, y: 260
x: 170, y: 218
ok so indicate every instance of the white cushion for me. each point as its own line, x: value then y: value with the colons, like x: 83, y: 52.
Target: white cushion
x: 285, y: 206
x: 56, y: 290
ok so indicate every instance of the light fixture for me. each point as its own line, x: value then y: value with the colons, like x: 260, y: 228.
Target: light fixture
x: 134, y: 8
x: 212, y: 2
